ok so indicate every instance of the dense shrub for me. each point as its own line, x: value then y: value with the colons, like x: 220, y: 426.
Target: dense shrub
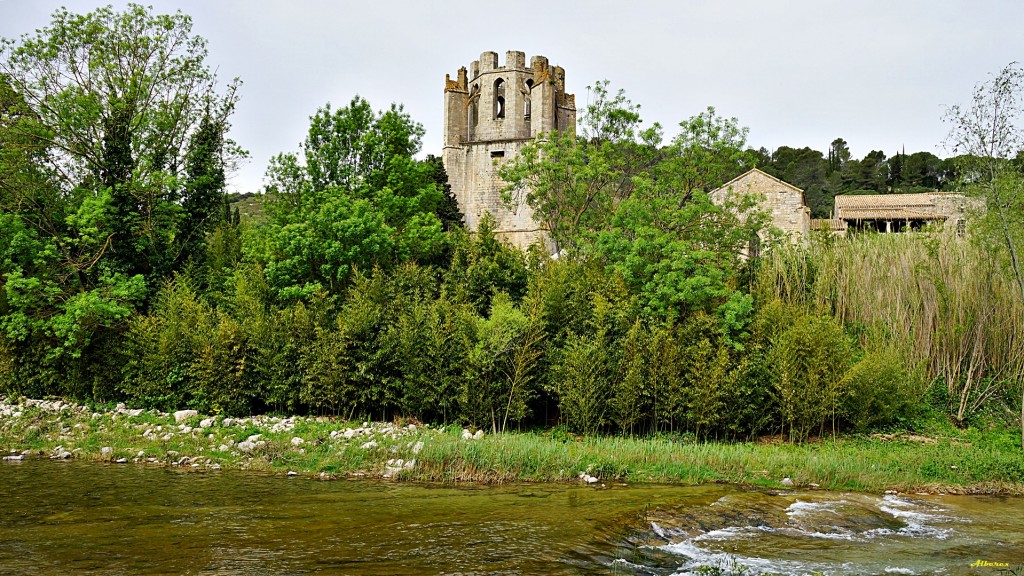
x: 809, y: 360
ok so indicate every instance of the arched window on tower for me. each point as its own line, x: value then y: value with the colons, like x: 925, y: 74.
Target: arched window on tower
x: 499, y: 98
x: 526, y: 104
x: 474, y: 98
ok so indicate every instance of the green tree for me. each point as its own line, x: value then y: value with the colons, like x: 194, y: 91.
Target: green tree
x: 99, y: 115
x: 922, y: 171
x: 448, y: 212
x: 117, y: 100
x: 618, y: 195
x: 574, y: 183
x: 501, y: 367
x: 810, y: 359
x: 838, y: 155
x: 806, y: 169
x: 483, y: 266
x: 355, y: 200
x: 986, y: 136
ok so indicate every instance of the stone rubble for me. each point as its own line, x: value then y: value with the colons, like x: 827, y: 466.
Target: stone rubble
x: 195, y: 434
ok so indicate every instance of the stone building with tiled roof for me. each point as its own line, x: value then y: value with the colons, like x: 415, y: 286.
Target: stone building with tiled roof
x: 898, y: 212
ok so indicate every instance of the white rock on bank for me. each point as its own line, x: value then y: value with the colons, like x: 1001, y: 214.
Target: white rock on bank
x: 296, y: 441
x: 416, y: 449
x: 182, y: 415
x: 246, y: 446
x: 479, y: 434
x: 787, y: 481
x: 206, y: 423
x: 106, y: 452
x: 370, y: 444
x: 15, y: 457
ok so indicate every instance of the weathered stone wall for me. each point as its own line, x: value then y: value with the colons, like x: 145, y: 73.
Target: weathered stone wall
x: 785, y: 202
x: 491, y: 112
x: 473, y: 174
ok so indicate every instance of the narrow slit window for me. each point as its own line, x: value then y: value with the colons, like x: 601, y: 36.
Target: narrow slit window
x: 526, y: 104
x: 499, y: 98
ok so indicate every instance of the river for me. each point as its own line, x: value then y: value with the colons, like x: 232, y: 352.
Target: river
x: 92, y: 518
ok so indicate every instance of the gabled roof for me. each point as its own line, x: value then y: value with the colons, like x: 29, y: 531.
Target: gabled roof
x: 755, y: 172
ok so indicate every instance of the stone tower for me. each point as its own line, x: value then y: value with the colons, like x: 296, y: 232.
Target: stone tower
x: 490, y: 112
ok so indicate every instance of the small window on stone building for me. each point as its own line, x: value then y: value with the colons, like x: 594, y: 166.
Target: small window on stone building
x: 497, y: 153
x: 961, y: 227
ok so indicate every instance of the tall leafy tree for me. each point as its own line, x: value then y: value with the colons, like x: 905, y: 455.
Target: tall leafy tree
x: 806, y: 169
x: 354, y: 198
x: 100, y: 113
x: 838, y: 155
x: 574, y: 183
x: 922, y: 170
x: 986, y: 135
x: 618, y: 195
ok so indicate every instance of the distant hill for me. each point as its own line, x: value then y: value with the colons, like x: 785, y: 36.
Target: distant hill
x: 249, y: 204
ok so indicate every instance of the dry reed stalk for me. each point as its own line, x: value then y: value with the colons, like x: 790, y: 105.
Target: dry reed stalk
x: 942, y: 300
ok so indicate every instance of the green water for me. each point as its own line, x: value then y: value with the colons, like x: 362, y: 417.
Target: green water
x: 74, y: 517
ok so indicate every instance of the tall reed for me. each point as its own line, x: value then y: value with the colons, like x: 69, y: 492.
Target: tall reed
x: 944, y: 302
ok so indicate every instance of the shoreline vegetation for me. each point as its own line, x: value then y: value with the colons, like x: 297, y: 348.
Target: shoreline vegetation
x: 963, y: 462
x: 670, y: 333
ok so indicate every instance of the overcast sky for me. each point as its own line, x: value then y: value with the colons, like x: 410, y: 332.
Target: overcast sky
x: 796, y: 72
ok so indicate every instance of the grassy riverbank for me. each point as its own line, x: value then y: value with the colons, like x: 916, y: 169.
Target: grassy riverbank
x: 957, y: 462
